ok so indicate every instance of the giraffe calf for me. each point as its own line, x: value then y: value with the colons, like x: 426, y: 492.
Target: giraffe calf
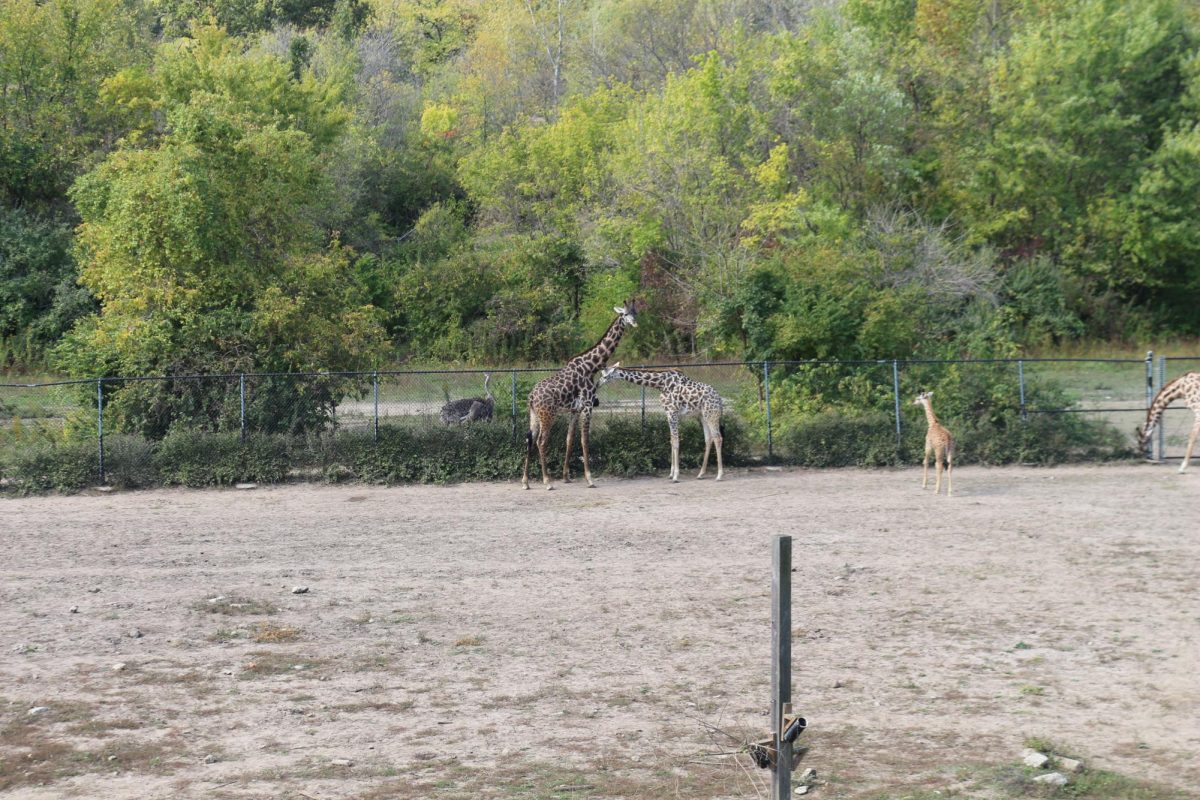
x: 939, y: 443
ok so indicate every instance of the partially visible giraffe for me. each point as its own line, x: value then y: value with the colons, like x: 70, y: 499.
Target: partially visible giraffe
x: 680, y: 396
x: 940, y: 443
x: 572, y: 389
x: 1186, y: 386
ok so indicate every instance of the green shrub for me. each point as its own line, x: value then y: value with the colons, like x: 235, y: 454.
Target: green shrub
x: 51, y: 467
x: 419, y: 455
x: 129, y: 462
x: 624, y: 446
x: 265, y: 458
x: 196, y: 458
x: 491, y: 452
x: 829, y: 415
x: 836, y: 439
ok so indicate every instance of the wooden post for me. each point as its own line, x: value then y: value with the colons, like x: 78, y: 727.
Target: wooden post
x: 781, y: 663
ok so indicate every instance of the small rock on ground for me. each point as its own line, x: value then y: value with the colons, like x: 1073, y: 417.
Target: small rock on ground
x: 1052, y: 779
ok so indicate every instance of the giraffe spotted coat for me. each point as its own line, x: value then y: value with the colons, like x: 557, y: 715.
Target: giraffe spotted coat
x: 939, y: 443
x: 1185, y: 387
x: 573, y: 390
x: 680, y: 396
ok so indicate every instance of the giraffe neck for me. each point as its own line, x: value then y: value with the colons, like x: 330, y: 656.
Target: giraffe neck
x: 596, y: 357
x: 654, y: 379
x: 1166, y: 395
x: 930, y: 417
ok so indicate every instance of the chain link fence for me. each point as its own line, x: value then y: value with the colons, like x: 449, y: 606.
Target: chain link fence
x: 765, y: 397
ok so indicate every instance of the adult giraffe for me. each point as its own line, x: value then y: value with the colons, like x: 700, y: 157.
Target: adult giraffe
x: 573, y: 390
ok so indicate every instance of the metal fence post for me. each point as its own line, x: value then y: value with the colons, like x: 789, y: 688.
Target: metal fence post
x: 643, y: 406
x: 1162, y: 423
x: 767, y: 400
x: 514, y: 402
x: 242, y: 396
x: 375, y: 388
x: 1021, y: 382
x: 781, y: 663
x: 100, y: 423
x: 896, y: 395
x: 1149, y: 453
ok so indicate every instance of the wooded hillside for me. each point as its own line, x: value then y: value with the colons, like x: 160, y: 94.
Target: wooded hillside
x: 277, y: 185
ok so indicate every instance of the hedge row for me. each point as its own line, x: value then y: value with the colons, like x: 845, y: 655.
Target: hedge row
x: 400, y: 455
x: 491, y: 452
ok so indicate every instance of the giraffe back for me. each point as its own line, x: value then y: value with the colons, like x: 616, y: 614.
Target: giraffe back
x: 678, y: 392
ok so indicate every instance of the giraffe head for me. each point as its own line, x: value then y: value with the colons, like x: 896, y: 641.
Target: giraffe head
x: 628, y: 313
x: 922, y: 398
x: 1142, y: 432
x: 606, y: 374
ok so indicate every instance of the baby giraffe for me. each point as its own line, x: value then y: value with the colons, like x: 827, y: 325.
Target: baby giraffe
x: 940, y: 443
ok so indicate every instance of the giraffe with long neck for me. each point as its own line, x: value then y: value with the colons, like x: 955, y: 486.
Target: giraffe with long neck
x: 1186, y: 386
x: 940, y: 444
x: 680, y: 396
x: 573, y: 390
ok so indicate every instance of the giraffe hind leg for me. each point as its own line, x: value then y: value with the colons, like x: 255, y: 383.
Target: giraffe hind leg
x: 707, y: 446
x: 937, y: 463
x: 719, y: 440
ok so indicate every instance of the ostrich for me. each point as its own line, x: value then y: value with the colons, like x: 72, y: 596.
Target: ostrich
x: 470, y: 409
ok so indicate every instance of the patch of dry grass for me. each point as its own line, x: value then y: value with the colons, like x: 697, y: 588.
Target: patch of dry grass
x: 37, y: 750
x: 264, y: 663
x: 234, y: 606
x: 268, y: 633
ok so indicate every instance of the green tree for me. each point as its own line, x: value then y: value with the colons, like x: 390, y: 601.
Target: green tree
x: 201, y: 240
x: 54, y: 56
x: 1080, y: 101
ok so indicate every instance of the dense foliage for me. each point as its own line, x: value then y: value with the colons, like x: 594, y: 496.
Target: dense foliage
x: 297, y: 185
x: 487, y: 451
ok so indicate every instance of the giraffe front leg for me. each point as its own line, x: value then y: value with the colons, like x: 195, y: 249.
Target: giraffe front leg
x: 937, y: 463
x: 1187, y: 456
x: 673, y: 424
x: 925, y: 470
x: 542, y: 440
x: 567, y: 457
x: 585, y: 425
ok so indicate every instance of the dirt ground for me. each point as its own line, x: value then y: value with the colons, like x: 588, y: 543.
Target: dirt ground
x: 483, y: 641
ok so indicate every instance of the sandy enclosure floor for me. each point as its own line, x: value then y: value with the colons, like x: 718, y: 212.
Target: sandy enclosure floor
x: 482, y: 641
